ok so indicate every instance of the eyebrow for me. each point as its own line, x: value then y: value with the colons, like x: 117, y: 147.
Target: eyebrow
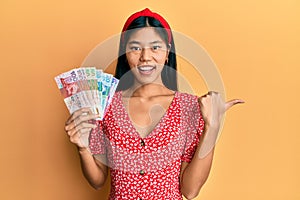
x: 137, y: 42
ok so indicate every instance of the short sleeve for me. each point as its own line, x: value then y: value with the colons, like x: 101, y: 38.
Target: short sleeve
x: 97, y: 139
x: 194, y: 131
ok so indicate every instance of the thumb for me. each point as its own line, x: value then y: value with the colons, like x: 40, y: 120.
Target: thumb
x: 233, y: 102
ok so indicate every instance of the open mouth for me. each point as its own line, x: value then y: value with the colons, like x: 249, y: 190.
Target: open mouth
x: 146, y: 69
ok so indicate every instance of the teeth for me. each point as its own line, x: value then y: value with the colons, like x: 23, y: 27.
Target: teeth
x: 147, y: 68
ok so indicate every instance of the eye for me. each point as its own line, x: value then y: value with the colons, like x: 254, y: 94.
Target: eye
x: 156, y: 47
x: 134, y: 48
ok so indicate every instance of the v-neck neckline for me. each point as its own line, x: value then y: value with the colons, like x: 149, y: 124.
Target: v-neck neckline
x: 156, y: 127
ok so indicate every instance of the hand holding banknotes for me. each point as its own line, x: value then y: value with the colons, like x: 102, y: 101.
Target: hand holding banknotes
x: 87, y: 87
x: 79, y: 125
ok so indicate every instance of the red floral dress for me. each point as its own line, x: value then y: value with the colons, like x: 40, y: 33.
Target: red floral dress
x: 148, y: 168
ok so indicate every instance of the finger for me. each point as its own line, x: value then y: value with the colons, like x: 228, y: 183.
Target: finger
x: 85, y: 118
x: 78, y: 113
x: 72, y: 128
x: 213, y: 92
x: 75, y: 138
x: 85, y: 125
x: 204, y: 96
x: 82, y: 111
x: 200, y: 98
x: 233, y: 102
x: 80, y: 119
x: 81, y: 133
x: 80, y: 127
x: 78, y: 136
x: 84, y: 131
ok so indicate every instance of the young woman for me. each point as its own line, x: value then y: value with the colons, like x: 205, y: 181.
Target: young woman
x: 152, y: 136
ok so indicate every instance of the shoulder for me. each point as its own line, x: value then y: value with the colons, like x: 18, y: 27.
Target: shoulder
x: 191, y: 110
x: 187, y: 98
x: 188, y: 102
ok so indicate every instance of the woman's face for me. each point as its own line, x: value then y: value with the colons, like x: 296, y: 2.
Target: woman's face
x: 146, y: 53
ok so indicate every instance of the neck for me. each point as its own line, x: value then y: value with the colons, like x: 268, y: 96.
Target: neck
x: 149, y: 90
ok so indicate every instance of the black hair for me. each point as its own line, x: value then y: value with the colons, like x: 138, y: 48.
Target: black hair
x: 168, y: 74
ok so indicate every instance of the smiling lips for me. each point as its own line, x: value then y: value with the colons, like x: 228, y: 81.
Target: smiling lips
x: 146, y: 70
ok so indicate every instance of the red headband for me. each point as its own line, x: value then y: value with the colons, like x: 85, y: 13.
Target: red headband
x: 148, y: 13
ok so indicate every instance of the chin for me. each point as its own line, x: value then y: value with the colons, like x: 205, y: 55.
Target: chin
x: 147, y: 74
x: 146, y: 82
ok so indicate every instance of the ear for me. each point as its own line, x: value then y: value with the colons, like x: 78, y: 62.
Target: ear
x: 169, y: 46
x: 168, y: 49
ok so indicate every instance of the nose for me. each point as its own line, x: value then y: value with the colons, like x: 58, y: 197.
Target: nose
x: 145, y: 55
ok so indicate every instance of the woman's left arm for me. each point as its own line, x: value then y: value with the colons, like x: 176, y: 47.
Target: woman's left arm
x: 194, y: 174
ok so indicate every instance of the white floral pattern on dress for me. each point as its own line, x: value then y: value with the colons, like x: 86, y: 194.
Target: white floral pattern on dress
x: 148, y: 168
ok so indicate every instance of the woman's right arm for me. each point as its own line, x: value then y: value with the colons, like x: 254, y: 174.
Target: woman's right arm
x: 79, y: 124
x: 94, y: 171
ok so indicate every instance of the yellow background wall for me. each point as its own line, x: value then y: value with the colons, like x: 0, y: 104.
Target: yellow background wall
x: 255, y: 45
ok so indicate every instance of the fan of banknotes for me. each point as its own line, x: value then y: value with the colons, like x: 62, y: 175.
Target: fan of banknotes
x: 87, y: 87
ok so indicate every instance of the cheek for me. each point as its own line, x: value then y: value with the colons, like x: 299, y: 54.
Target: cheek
x: 161, y: 58
x: 132, y: 59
